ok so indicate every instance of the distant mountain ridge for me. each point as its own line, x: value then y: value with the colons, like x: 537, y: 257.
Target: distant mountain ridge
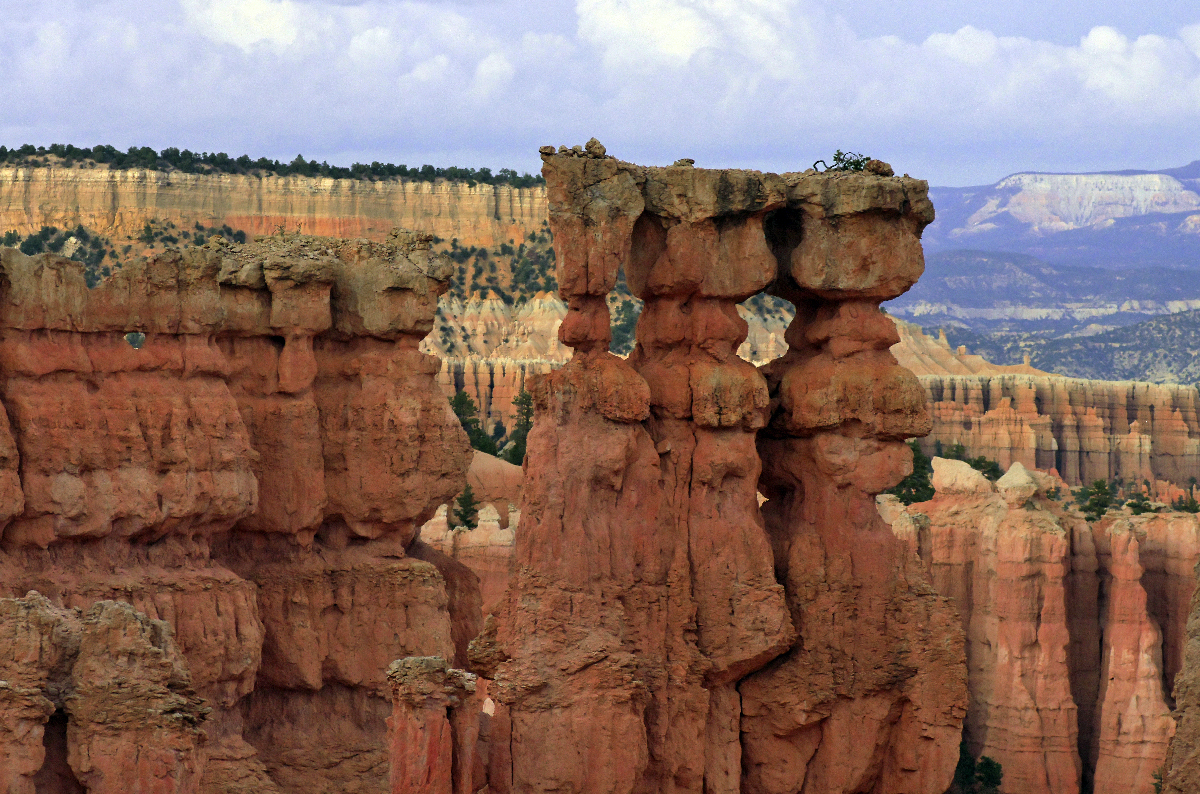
x: 1007, y: 292
x: 1106, y: 219
x: 1163, y: 349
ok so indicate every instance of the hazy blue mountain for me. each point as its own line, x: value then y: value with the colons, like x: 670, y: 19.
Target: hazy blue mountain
x: 1110, y: 220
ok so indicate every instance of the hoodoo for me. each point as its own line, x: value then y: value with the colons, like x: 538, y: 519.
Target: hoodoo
x: 662, y: 632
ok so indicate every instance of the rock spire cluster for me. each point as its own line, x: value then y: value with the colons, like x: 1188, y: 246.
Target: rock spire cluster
x: 661, y: 631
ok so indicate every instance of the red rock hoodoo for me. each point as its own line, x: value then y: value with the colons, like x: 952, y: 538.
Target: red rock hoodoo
x: 1076, y: 631
x: 241, y: 442
x: 661, y: 632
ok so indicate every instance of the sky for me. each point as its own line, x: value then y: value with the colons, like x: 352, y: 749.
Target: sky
x: 959, y: 92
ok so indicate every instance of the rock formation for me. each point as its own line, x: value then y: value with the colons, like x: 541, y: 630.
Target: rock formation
x: 97, y: 701
x: 117, y: 203
x: 434, y: 729
x: 1085, y: 430
x: 1075, y: 631
x: 242, y: 442
x: 646, y: 642
x: 488, y: 548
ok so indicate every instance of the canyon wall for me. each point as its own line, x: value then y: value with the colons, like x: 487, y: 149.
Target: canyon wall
x: 118, y: 203
x: 661, y: 632
x: 240, y: 442
x: 1085, y: 430
x: 1076, y: 631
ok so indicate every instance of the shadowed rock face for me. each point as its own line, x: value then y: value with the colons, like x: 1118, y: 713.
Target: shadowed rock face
x: 242, y: 442
x: 661, y: 632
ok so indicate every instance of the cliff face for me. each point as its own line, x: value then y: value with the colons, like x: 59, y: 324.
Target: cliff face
x: 1086, y: 430
x: 240, y: 442
x: 119, y: 203
x: 1075, y: 631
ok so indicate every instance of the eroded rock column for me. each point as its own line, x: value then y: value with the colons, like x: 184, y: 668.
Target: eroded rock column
x: 649, y: 589
x: 434, y: 727
x: 872, y: 695
x: 132, y: 721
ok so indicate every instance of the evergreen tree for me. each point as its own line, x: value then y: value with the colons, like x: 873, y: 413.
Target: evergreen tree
x: 516, y: 450
x: 468, y: 416
x: 918, y: 486
x: 970, y: 777
x: 1095, y: 499
x: 466, y: 509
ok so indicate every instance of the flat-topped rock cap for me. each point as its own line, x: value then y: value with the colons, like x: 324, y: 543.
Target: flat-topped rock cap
x: 838, y: 234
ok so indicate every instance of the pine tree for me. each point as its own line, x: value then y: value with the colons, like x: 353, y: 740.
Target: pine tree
x: 918, y: 486
x: 466, y: 510
x: 515, y: 453
x: 468, y: 416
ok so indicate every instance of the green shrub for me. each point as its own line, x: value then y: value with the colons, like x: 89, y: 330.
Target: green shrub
x: 971, y: 777
x: 846, y: 161
x: 1094, y: 500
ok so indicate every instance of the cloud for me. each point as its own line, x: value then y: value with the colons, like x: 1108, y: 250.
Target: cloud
x: 244, y: 23
x: 766, y: 83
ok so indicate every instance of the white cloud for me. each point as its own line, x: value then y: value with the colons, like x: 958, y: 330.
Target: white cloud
x: 244, y: 23
x: 769, y: 83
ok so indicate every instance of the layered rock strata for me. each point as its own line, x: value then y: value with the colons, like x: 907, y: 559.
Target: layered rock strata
x: 118, y: 203
x: 1085, y: 430
x: 243, y: 441
x: 1075, y: 631
x: 434, y: 729
x: 661, y: 632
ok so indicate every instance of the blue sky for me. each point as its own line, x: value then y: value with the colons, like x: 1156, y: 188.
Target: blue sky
x: 958, y: 92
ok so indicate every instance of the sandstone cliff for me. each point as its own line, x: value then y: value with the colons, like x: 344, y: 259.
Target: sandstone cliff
x: 118, y: 203
x: 240, y: 442
x: 1085, y: 430
x: 1075, y: 631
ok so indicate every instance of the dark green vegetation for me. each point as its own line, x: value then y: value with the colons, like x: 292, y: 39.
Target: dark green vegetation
x: 514, y: 450
x: 94, y: 252
x: 845, y: 161
x: 468, y: 415
x: 99, y: 256
x: 918, y: 486
x: 466, y: 509
x: 514, y: 271
x: 510, y: 447
x: 976, y: 777
x: 173, y: 159
x: 624, y: 309
x: 1098, y: 498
